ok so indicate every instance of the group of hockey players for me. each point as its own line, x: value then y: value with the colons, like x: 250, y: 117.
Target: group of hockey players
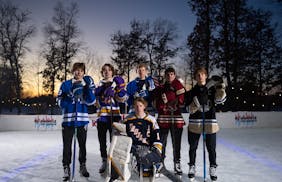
x: 144, y: 99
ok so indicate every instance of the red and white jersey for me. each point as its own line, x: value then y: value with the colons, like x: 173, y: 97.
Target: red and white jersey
x: 169, y: 100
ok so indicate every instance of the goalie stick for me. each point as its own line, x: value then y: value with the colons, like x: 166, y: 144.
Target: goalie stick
x: 168, y: 174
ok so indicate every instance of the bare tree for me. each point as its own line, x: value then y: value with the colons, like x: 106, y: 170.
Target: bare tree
x: 65, y: 32
x: 127, y: 48
x: 93, y: 63
x: 60, y: 45
x: 165, y: 33
x: 15, y: 31
x: 147, y: 42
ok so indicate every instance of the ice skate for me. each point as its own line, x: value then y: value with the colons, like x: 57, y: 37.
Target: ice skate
x: 103, y: 167
x: 66, y: 176
x: 177, y: 168
x: 213, y: 173
x: 83, y: 171
x: 191, y: 173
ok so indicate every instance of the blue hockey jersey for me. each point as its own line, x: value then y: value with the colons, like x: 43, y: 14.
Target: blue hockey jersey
x: 140, y: 88
x: 75, y: 113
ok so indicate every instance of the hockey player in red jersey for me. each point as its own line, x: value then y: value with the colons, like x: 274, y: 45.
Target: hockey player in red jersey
x: 169, y: 100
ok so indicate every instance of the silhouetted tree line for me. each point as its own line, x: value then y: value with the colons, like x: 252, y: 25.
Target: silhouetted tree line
x: 238, y: 42
x: 15, y: 31
x: 229, y: 38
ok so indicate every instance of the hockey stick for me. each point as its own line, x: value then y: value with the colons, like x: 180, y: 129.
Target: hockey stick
x: 172, y: 110
x: 168, y: 174
x: 74, y: 141
x: 112, y: 117
x: 204, y: 142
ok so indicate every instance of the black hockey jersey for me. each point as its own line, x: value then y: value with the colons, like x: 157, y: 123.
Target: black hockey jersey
x: 143, y: 131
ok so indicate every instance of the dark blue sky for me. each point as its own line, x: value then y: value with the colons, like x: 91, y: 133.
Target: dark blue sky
x: 98, y: 19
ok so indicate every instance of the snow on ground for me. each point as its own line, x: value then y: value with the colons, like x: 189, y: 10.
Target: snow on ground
x: 243, y: 155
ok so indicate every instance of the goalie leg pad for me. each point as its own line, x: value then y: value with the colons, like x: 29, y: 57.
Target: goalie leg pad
x: 119, y: 156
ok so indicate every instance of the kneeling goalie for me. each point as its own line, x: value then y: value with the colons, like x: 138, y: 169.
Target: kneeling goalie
x: 143, y: 130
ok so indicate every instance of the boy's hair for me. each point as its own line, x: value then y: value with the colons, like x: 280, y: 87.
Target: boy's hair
x: 110, y: 66
x: 142, y: 65
x: 78, y: 65
x: 200, y: 70
x: 169, y: 70
x: 142, y: 100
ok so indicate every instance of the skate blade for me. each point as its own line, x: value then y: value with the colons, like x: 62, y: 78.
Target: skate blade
x: 178, y: 175
x: 192, y: 179
x: 67, y: 179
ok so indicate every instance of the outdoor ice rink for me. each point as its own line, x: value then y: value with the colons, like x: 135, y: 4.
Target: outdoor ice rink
x: 243, y: 155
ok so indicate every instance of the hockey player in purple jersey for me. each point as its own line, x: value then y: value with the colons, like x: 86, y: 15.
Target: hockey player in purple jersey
x: 74, y: 96
x: 109, y: 93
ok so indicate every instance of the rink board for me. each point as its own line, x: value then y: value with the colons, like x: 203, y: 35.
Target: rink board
x: 244, y: 119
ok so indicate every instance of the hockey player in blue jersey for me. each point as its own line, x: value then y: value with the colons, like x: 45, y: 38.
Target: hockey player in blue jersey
x: 142, y: 86
x: 74, y: 96
x: 109, y: 93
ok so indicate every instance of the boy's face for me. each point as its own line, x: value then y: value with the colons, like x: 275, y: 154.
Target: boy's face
x: 201, y: 78
x: 139, y: 107
x: 78, y: 74
x: 142, y: 72
x: 107, y: 72
x: 170, y: 76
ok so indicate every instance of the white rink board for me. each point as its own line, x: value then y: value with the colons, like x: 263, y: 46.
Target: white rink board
x: 245, y: 119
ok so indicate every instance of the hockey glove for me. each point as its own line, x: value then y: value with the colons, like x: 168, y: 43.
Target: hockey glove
x: 119, y: 83
x: 213, y: 81
x: 220, y: 94
x: 109, y: 92
x: 77, y: 89
x: 164, y: 98
x: 142, y: 93
x: 195, y: 105
x: 154, y: 156
x: 89, y: 82
x: 151, y: 83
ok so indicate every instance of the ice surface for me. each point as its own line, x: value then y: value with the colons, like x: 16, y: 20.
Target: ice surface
x: 243, y: 155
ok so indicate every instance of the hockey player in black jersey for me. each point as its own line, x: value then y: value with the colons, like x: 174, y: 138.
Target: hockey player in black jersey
x: 144, y: 132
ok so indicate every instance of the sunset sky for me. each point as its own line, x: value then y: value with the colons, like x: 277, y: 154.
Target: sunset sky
x: 99, y: 19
